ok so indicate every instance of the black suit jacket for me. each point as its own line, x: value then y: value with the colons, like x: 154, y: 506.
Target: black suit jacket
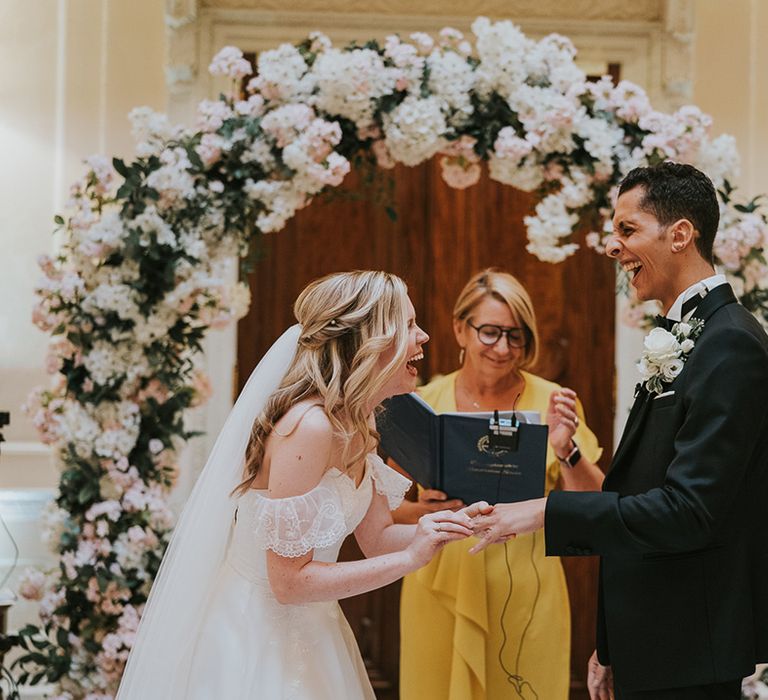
x: 682, y: 522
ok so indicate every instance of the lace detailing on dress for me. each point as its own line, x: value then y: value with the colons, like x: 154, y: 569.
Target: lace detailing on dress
x: 293, y: 526
x: 389, y: 482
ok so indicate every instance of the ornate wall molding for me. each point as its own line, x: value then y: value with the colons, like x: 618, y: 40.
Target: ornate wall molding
x: 642, y: 10
x: 652, y: 40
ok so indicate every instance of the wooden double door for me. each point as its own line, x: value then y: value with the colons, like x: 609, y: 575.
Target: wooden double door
x: 439, y: 238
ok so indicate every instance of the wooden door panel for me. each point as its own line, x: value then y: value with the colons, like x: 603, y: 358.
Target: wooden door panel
x: 441, y: 237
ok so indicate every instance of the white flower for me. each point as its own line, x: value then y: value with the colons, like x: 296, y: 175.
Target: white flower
x: 671, y: 368
x: 451, y: 80
x: 664, y: 353
x: 282, y: 76
x: 660, y: 344
x: 151, y: 130
x: 414, y: 130
x: 230, y: 63
x: 32, y: 584
x: 350, y: 82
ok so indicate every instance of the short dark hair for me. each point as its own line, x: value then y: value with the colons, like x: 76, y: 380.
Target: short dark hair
x: 673, y: 191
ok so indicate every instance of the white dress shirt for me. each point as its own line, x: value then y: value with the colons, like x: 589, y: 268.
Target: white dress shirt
x: 702, y: 288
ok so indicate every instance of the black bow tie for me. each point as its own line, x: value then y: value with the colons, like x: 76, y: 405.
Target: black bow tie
x: 688, y: 307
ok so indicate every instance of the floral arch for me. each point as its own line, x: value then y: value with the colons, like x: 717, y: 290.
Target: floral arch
x: 149, y: 246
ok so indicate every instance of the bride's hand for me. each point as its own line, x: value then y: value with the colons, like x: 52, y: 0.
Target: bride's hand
x: 434, y: 531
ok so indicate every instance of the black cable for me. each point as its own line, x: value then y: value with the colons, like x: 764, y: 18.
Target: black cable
x: 518, y: 681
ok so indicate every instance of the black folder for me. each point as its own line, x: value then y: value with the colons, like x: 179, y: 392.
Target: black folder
x: 456, y: 452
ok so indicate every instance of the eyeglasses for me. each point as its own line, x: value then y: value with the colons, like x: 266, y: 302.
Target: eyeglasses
x: 488, y: 334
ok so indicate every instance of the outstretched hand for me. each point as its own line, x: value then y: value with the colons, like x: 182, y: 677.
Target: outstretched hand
x: 505, y: 521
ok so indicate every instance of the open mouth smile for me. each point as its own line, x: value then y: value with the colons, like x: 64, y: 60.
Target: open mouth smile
x: 409, y: 364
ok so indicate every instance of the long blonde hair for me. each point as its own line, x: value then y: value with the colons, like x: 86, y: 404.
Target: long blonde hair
x: 502, y: 286
x: 348, y: 320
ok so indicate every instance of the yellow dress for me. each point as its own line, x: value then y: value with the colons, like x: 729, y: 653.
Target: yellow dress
x: 452, y: 639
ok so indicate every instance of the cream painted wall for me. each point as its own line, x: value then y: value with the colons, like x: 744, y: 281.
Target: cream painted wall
x: 731, y: 79
x: 70, y: 71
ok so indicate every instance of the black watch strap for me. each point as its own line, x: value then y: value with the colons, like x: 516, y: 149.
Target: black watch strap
x: 572, y: 458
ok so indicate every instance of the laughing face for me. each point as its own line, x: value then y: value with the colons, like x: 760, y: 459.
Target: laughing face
x: 643, y: 248
x: 404, y: 379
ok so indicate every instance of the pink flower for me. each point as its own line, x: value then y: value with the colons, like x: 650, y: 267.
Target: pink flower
x: 230, y: 63
x: 32, y: 584
x: 459, y: 176
x: 209, y: 149
x: 383, y: 156
x: 463, y: 147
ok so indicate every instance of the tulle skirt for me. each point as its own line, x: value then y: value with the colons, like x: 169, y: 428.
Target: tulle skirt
x: 249, y: 646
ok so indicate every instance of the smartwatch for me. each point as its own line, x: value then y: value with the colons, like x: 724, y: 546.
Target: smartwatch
x: 572, y: 458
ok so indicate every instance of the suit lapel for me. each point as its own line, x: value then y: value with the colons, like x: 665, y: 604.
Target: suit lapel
x: 633, y: 426
x: 716, y: 299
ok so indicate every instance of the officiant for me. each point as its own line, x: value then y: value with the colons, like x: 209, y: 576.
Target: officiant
x: 454, y: 615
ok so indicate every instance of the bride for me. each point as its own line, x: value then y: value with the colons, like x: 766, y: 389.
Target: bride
x: 245, y: 602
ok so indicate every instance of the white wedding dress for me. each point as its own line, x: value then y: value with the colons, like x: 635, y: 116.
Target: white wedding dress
x: 248, y: 645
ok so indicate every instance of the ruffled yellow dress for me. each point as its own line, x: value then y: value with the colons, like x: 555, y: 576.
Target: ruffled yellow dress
x: 453, y: 643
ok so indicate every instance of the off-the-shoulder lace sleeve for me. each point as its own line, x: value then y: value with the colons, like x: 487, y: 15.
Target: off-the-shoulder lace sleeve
x: 389, y: 483
x: 293, y: 526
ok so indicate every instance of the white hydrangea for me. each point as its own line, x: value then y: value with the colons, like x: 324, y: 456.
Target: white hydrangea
x: 409, y: 62
x: 230, y: 63
x: 451, y: 79
x: 601, y: 139
x: 349, y: 83
x: 283, y: 76
x: 77, y: 427
x: 108, y: 361
x: 415, y: 129
x: 719, y: 159
x: 117, y: 298
x: 173, y: 180
x: 548, y: 117
x: 259, y: 151
x: 281, y: 200
x: 501, y: 48
x: 525, y: 175
x: 102, y: 238
x: 551, y: 223
x: 151, y: 131
x: 550, y: 62
x: 150, y: 222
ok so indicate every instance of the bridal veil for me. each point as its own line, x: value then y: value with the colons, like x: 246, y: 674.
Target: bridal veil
x: 162, y: 650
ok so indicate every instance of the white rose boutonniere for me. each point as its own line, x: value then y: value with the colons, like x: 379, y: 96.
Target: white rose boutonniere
x: 665, y: 353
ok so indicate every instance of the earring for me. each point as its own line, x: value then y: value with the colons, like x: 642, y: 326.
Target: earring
x: 461, y: 356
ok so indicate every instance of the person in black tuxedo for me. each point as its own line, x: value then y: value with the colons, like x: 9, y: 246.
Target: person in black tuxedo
x: 680, y: 525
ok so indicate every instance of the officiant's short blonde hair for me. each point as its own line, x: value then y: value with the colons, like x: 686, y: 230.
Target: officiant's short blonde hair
x: 500, y: 285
